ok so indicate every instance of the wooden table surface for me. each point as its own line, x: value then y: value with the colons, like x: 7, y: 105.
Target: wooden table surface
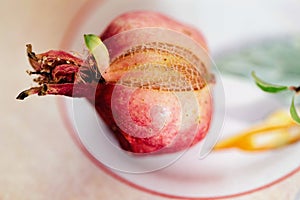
x: 38, y: 158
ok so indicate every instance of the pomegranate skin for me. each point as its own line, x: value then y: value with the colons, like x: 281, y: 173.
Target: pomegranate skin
x: 171, y: 138
x: 143, y: 19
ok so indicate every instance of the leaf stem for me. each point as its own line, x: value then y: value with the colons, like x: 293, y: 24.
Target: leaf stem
x: 272, y: 88
x: 295, y: 89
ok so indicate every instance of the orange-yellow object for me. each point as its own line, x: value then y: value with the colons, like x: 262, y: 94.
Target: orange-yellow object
x: 278, y: 130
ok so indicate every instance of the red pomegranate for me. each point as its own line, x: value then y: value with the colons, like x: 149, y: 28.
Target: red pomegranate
x: 153, y: 96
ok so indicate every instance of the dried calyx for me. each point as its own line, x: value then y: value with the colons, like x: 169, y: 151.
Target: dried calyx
x: 58, y: 71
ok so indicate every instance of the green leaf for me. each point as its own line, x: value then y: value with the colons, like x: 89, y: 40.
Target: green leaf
x: 92, y: 41
x: 98, y: 49
x: 293, y: 111
x: 268, y: 87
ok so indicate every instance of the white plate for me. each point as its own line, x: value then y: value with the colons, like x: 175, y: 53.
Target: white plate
x: 220, y: 174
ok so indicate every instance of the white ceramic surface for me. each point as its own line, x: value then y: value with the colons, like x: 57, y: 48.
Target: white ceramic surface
x: 218, y: 174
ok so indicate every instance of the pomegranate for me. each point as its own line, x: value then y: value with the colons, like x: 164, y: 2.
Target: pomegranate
x: 154, y: 95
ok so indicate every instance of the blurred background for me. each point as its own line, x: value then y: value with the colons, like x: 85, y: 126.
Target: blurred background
x: 38, y: 158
